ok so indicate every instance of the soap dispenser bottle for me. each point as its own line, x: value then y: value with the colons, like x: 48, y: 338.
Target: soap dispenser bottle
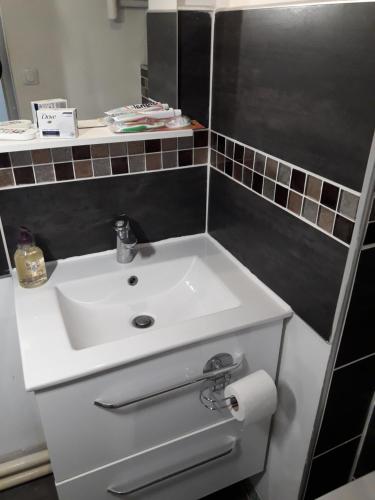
x: 29, y: 259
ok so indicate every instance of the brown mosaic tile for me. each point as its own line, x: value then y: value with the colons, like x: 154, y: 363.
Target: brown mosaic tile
x: 298, y: 181
x: 137, y: 163
x: 248, y: 158
x: 330, y: 195
x: 326, y: 219
x: 20, y: 158
x: 220, y: 160
x: 153, y: 161
x: 310, y: 210
x: 221, y: 144
x: 119, y: 165
x: 228, y: 166
x: 44, y: 173
x: 213, y: 140
x: 269, y: 189
x: 24, y: 175
x: 281, y: 195
x: 118, y: 149
x: 313, y: 187
x: 185, y: 157
x: 153, y: 146
x: 136, y: 147
x: 60, y: 155
x: 343, y: 229
x: 295, y: 202
x: 83, y: 169
x: 229, y: 148
x: 169, y: 144
x: 284, y: 174
x: 237, y: 171
x: 99, y: 150
x: 200, y: 138
x: 64, y: 171
x: 259, y: 163
x: 239, y: 152
x: 247, y: 177
x: 81, y: 152
x: 102, y: 166
x: 200, y: 156
x: 6, y: 178
x: 348, y: 204
x: 184, y: 143
x: 169, y: 159
x: 271, y: 168
x: 40, y: 156
x: 4, y: 160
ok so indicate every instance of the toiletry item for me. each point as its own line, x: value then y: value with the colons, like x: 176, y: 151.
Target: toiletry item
x: 178, y: 122
x: 152, y: 106
x: 252, y: 398
x: 29, y: 260
x: 12, y: 124
x: 92, y: 123
x: 17, y: 134
x: 46, y: 104
x: 58, y: 122
x: 141, y: 115
x: 135, y: 127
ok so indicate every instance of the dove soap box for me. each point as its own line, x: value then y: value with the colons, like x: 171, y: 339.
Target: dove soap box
x: 46, y: 103
x: 58, y: 122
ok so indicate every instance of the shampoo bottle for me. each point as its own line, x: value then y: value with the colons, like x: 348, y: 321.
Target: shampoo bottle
x: 29, y: 259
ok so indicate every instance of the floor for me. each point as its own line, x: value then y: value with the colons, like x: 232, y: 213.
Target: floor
x: 44, y: 489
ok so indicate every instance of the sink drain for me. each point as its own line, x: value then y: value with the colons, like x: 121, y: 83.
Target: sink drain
x: 143, y: 321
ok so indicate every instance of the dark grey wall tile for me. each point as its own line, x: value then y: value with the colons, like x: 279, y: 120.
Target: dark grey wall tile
x: 366, y: 462
x: 331, y: 470
x: 358, y: 339
x: 162, y: 56
x: 299, y: 263
x: 280, y: 84
x: 348, y: 402
x: 194, y: 33
x: 75, y: 218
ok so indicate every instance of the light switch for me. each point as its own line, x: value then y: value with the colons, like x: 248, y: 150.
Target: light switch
x: 31, y: 76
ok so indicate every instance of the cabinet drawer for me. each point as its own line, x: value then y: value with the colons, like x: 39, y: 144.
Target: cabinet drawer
x: 186, y: 468
x: 82, y: 437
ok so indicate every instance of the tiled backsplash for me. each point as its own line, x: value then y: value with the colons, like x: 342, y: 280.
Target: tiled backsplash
x: 98, y: 160
x: 329, y: 207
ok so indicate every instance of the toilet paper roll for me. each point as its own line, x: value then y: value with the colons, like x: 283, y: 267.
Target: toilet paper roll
x: 256, y: 397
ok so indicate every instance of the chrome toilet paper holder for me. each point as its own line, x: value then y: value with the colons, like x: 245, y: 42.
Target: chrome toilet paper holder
x: 211, y: 393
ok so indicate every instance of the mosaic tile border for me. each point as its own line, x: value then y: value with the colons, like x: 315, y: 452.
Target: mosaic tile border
x: 46, y: 166
x: 326, y: 205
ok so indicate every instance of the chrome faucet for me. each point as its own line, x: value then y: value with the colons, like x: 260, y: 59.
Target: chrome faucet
x: 126, y: 240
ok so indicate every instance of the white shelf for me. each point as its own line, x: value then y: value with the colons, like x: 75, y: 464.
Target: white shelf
x: 99, y: 135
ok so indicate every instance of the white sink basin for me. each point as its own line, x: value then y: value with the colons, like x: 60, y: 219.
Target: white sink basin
x: 81, y: 321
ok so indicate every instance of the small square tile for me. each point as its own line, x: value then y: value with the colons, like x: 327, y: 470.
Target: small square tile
x: 229, y: 148
x: 257, y: 183
x: 21, y: 158
x: 44, y: 173
x: 200, y: 138
x: 213, y: 140
x: 6, y: 178
x: 169, y: 144
x: 64, y: 171
x: 271, y: 168
x: 185, y: 157
x: 248, y: 158
x: 237, y: 171
x: 259, y: 163
x: 102, y: 166
x: 81, y: 152
x: 269, y: 189
x: 4, y: 160
x: 24, y: 175
x: 119, y: 165
x: 61, y: 155
x: 200, y: 156
x: 247, y: 177
x: 313, y: 187
x: 298, y: 181
x: 284, y: 174
x: 153, y: 161
x: 343, y: 229
x: 330, y: 194
x: 185, y: 143
x: 118, y: 149
x: 213, y: 156
x: 153, y: 146
x: 220, y: 160
x: 239, y: 153
x: 137, y: 163
x: 228, y: 167
x: 281, y: 195
x: 136, y: 147
x: 169, y: 159
x: 83, y: 169
x: 221, y: 144
x: 310, y: 210
x: 40, y: 156
x: 348, y: 204
x: 99, y: 150
x: 326, y: 219
x: 295, y: 202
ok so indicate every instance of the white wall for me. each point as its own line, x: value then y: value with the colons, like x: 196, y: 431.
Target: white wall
x: 303, y: 365
x: 20, y: 426
x: 80, y: 54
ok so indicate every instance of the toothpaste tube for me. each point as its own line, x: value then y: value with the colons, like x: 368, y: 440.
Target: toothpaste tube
x: 150, y: 115
x: 135, y: 108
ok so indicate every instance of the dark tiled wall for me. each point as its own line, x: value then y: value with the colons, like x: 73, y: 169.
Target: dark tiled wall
x: 297, y: 82
x: 3, y: 261
x: 194, y: 33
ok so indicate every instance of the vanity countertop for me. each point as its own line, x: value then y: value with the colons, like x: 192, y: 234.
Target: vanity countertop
x: 81, y: 321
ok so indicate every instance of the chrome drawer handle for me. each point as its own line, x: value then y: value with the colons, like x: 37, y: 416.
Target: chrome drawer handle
x: 205, y: 376
x: 115, y: 490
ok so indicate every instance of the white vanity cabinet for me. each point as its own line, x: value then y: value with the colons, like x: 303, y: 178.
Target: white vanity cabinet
x: 164, y: 447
